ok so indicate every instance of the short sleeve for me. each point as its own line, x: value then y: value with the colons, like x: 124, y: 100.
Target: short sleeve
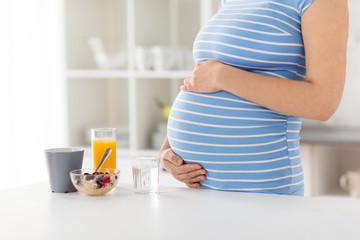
x: 303, y: 5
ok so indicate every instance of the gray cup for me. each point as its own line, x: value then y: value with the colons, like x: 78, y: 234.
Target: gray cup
x: 60, y: 161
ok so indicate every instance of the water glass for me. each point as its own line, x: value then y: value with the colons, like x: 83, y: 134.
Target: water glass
x: 145, y: 173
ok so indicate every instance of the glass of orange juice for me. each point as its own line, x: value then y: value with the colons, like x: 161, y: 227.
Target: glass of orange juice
x: 102, y: 139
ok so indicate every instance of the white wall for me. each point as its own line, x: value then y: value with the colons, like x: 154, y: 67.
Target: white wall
x: 348, y: 113
x: 32, y: 92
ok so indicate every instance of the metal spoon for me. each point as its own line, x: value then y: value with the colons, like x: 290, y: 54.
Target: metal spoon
x: 106, y: 155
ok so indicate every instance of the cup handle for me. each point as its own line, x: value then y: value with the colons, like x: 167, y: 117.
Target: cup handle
x: 344, y: 182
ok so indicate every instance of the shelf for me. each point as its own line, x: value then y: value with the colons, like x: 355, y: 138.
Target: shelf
x: 125, y: 95
x: 331, y: 136
x: 96, y: 73
x: 99, y: 73
x: 163, y: 74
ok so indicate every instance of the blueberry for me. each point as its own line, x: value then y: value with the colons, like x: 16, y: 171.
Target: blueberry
x: 100, y: 180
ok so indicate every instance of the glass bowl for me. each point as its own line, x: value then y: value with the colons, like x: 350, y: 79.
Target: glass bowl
x: 94, y: 184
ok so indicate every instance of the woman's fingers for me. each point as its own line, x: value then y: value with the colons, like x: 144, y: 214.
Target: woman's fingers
x: 186, y: 83
x: 190, y: 174
x: 187, y: 80
x: 193, y: 185
x: 195, y: 179
x: 186, y: 174
x: 187, y: 168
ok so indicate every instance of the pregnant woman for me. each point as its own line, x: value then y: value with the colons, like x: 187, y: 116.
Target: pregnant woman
x: 261, y: 67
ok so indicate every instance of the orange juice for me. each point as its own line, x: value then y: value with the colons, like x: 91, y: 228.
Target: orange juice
x: 99, y: 147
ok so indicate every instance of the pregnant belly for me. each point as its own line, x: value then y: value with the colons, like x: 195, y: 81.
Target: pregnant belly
x: 242, y: 145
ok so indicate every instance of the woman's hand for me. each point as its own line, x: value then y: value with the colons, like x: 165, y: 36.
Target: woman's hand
x: 190, y: 174
x: 204, y: 78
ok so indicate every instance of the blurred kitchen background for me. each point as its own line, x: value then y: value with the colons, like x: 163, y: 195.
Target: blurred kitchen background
x: 70, y: 65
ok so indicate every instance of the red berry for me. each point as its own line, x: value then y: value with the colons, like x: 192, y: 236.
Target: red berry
x: 95, y: 173
x: 86, y: 173
x: 107, y: 180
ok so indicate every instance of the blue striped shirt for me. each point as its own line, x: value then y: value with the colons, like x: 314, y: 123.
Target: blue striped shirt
x: 242, y: 145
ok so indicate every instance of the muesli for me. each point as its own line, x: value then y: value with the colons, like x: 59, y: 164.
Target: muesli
x: 96, y: 183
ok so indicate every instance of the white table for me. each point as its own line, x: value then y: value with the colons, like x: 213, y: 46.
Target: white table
x: 33, y: 212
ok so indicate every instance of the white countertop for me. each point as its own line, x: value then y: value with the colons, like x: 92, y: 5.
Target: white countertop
x: 33, y: 212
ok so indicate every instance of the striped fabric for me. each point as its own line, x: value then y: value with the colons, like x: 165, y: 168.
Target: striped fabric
x: 244, y: 146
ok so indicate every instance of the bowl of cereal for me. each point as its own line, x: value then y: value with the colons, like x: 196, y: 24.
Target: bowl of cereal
x: 94, y: 183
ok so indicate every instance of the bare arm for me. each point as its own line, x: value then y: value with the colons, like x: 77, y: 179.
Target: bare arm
x: 325, y: 31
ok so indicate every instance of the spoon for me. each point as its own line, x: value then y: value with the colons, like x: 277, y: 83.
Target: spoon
x: 106, y: 155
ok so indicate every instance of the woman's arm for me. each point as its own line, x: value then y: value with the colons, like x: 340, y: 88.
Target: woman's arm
x: 325, y: 31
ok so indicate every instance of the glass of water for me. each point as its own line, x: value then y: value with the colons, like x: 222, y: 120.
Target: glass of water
x: 145, y: 173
